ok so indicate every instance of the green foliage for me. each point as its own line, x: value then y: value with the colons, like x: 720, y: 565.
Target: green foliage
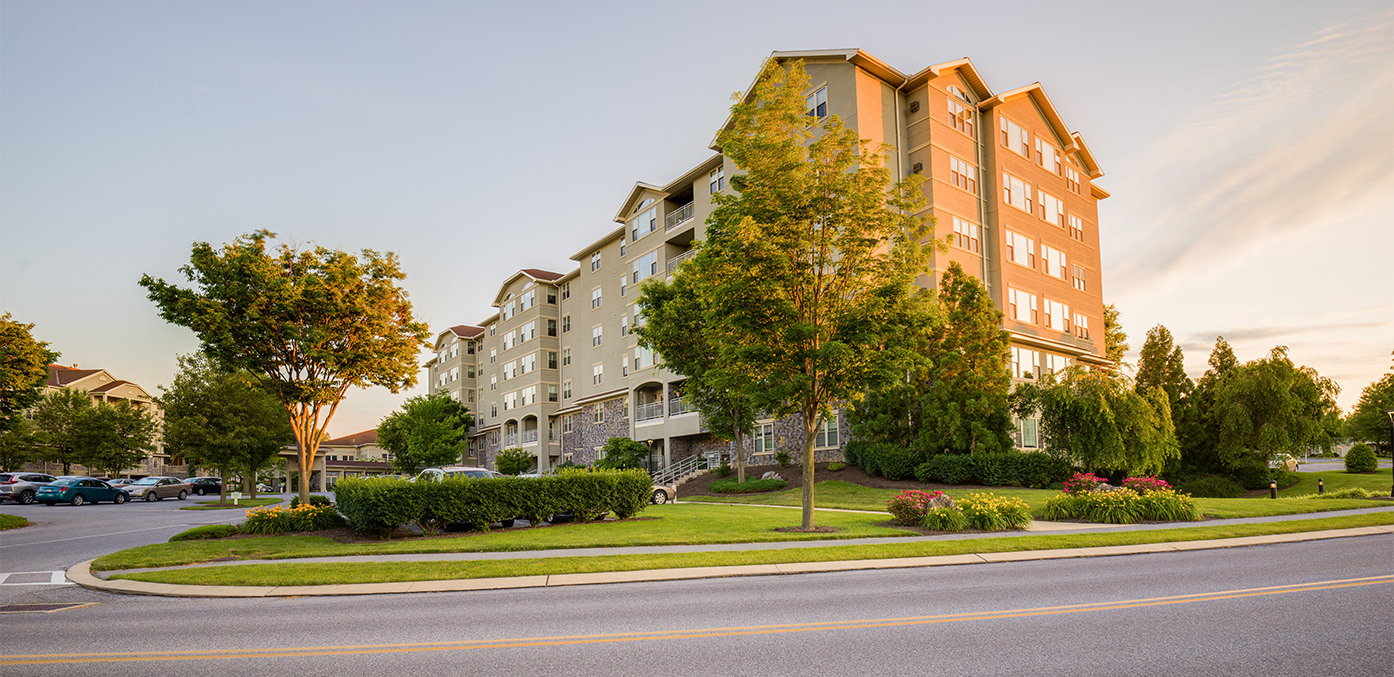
x: 891, y: 461
x: 1094, y: 419
x: 812, y: 259
x: 428, y: 431
x: 283, y: 520
x: 1115, y: 339
x: 1269, y: 406
x: 310, y: 323
x: 1213, y: 486
x: 19, y: 444
x: 746, y: 487
x: 315, y: 499
x: 1253, y: 475
x: 909, y: 506
x: 23, y: 369
x: 955, y: 399
x: 1361, y: 458
x: 622, y: 453
x: 514, y: 461
x: 1161, y: 365
x: 783, y: 458
x: 836, y: 465
x: 223, y: 420
x: 723, y: 470
x: 8, y: 522
x: 945, y: 519
x: 1123, y: 507
x: 205, y: 531
x: 108, y: 436
x: 1014, y: 469
x: 989, y: 512
x: 1368, y: 421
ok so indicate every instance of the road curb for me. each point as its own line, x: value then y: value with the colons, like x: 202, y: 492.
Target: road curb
x: 82, y: 575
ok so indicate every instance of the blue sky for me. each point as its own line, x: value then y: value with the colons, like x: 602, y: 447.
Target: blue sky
x: 1249, y: 148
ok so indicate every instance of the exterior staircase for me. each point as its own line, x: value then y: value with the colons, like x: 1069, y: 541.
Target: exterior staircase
x: 681, y: 471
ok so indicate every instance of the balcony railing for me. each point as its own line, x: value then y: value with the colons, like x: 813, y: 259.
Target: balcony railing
x: 679, y: 217
x: 529, y: 436
x: 678, y: 406
x: 676, y: 261
x: 648, y: 411
x: 511, y: 439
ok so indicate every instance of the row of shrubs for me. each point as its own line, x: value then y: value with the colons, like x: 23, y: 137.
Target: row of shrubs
x: 1012, y: 469
x: 1089, y: 497
x: 379, y: 505
x: 978, y: 510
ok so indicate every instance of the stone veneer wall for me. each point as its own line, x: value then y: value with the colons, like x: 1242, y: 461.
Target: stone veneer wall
x: 788, y: 436
x: 587, y: 434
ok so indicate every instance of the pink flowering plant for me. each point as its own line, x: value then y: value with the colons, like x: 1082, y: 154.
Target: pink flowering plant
x: 909, y: 507
x: 1146, y: 485
x: 1082, y: 483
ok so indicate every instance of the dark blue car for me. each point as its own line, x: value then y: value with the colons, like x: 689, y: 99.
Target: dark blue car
x: 79, y: 490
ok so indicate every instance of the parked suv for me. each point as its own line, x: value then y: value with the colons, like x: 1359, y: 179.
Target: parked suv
x: 20, y: 487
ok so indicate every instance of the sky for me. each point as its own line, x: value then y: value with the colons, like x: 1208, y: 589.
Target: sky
x: 1248, y: 148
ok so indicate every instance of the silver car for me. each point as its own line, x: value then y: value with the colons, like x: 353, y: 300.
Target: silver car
x: 157, y: 488
x: 20, y: 487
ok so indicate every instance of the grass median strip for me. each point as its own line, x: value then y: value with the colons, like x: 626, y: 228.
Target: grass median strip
x: 284, y: 574
x: 12, y: 521
x: 242, y: 504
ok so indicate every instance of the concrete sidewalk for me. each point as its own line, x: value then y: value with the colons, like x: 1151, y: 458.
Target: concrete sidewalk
x: 81, y: 574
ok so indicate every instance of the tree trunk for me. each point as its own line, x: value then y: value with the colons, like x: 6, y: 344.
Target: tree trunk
x: 740, y: 455
x: 222, y: 486
x: 810, y: 424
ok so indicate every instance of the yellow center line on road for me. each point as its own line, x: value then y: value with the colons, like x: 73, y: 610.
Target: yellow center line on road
x: 701, y: 633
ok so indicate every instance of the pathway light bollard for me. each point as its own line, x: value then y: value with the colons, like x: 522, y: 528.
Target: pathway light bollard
x: 1390, y: 412
x: 1321, y: 486
x: 1273, y: 489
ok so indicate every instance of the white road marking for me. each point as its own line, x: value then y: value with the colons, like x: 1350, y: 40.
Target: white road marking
x: 54, y: 578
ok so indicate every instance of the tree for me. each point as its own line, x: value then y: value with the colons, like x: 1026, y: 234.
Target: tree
x: 1161, y: 365
x: 955, y: 400
x: 58, y: 417
x: 1195, y: 427
x: 18, y: 445
x: 428, y: 431
x: 819, y: 254
x: 1269, y: 406
x: 116, y: 436
x: 1097, y: 421
x: 622, y: 453
x: 308, y: 323
x: 224, y: 420
x: 676, y: 326
x: 513, y: 461
x: 23, y: 369
x: 1368, y: 421
x: 1115, y: 339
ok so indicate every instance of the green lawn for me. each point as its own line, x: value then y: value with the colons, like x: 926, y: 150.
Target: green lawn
x: 12, y: 522
x: 848, y: 496
x: 241, y: 505
x: 1376, y: 481
x: 657, y: 525
x: 385, y: 572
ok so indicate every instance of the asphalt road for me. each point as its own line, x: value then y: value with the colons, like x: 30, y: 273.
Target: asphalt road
x: 1324, y: 607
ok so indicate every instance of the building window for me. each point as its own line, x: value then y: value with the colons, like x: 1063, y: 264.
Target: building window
x: 1047, y: 157
x: 565, y: 323
x: 1016, y: 192
x: 552, y: 393
x: 528, y: 332
x: 764, y: 439
x: 643, y: 357
x: 469, y: 371
x: 1026, y: 433
x: 493, y: 383
x: 568, y: 423
x: 598, y: 414
x: 1072, y: 179
x: 1016, y: 138
x: 528, y: 300
x: 1077, y: 273
x: 597, y: 336
x: 552, y: 295
x: 646, y: 266
x: 1081, y: 326
x: 566, y: 389
x: 1076, y: 227
x: 595, y: 298
x: 717, y: 179
x: 1021, y: 306
x: 1054, y: 261
x: 551, y: 327
x: 1055, y: 363
x: 966, y: 235
x: 960, y: 117
x: 566, y: 291
x: 492, y: 327
x: 963, y: 175
x: 551, y: 359
x: 1057, y: 315
x: 1021, y: 250
x: 827, y: 432
x: 1052, y: 209
x: 1026, y: 363
x: 506, y: 311
x: 595, y: 261
x: 624, y: 325
x: 471, y: 394
x: 643, y: 224
x: 816, y: 105
x: 598, y: 374
x: 493, y: 411
x: 566, y: 357
x: 493, y: 355
x: 469, y: 347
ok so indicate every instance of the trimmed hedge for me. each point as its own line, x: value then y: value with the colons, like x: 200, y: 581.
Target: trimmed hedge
x: 1013, y: 469
x: 205, y: 531
x: 1361, y: 458
x: 376, y: 505
x: 882, y: 460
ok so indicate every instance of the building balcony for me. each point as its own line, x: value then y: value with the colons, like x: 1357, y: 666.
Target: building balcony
x: 511, y: 439
x: 678, y: 260
x: 648, y: 411
x: 678, y: 406
x: 529, y: 436
x: 679, y: 216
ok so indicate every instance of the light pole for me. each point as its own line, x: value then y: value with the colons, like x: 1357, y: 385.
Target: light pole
x: 1390, y: 413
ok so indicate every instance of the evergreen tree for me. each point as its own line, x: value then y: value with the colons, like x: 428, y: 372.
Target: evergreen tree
x: 1115, y: 339
x: 1160, y: 365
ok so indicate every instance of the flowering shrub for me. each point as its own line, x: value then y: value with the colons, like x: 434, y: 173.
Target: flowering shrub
x: 1082, y: 483
x: 910, y: 506
x: 945, y: 519
x: 990, y: 512
x: 279, y: 519
x: 1123, y: 507
x: 1146, y: 485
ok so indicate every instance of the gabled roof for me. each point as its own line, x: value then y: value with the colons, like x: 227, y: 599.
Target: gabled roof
x: 634, y: 194
x: 1071, y: 141
x: 116, y: 384
x: 360, y: 439
x: 534, y: 274
x: 963, y: 67
x: 60, y: 376
x: 606, y: 239
x: 466, y: 331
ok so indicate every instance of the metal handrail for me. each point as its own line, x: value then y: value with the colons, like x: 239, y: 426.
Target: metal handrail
x: 676, y: 218
x: 678, y: 405
x: 680, y: 470
x: 678, y: 260
x: 648, y: 411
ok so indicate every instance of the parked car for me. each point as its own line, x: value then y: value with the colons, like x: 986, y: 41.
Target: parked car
x: 457, y: 471
x: 79, y: 490
x: 20, y: 487
x: 205, y: 485
x: 121, y: 482
x: 157, y: 488
x: 662, y: 493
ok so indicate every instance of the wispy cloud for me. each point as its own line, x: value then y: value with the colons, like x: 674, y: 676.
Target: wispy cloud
x: 1308, y: 142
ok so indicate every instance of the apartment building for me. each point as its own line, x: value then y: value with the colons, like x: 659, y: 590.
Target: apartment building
x: 1007, y: 183
x: 102, y: 386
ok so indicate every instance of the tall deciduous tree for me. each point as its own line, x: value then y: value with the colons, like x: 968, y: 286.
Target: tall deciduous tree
x: 821, y: 255
x: 18, y: 445
x: 116, y: 436
x: 676, y: 325
x: 428, y: 431
x: 309, y: 323
x: 23, y: 368
x: 1368, y: 421
x: 1161, y: 365
x: 58, y: 417
x: 1099, y: 422
x: 1270, y: 405
x: 1115, y: 339
x: 224, y: 420
x: 955, y: 400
